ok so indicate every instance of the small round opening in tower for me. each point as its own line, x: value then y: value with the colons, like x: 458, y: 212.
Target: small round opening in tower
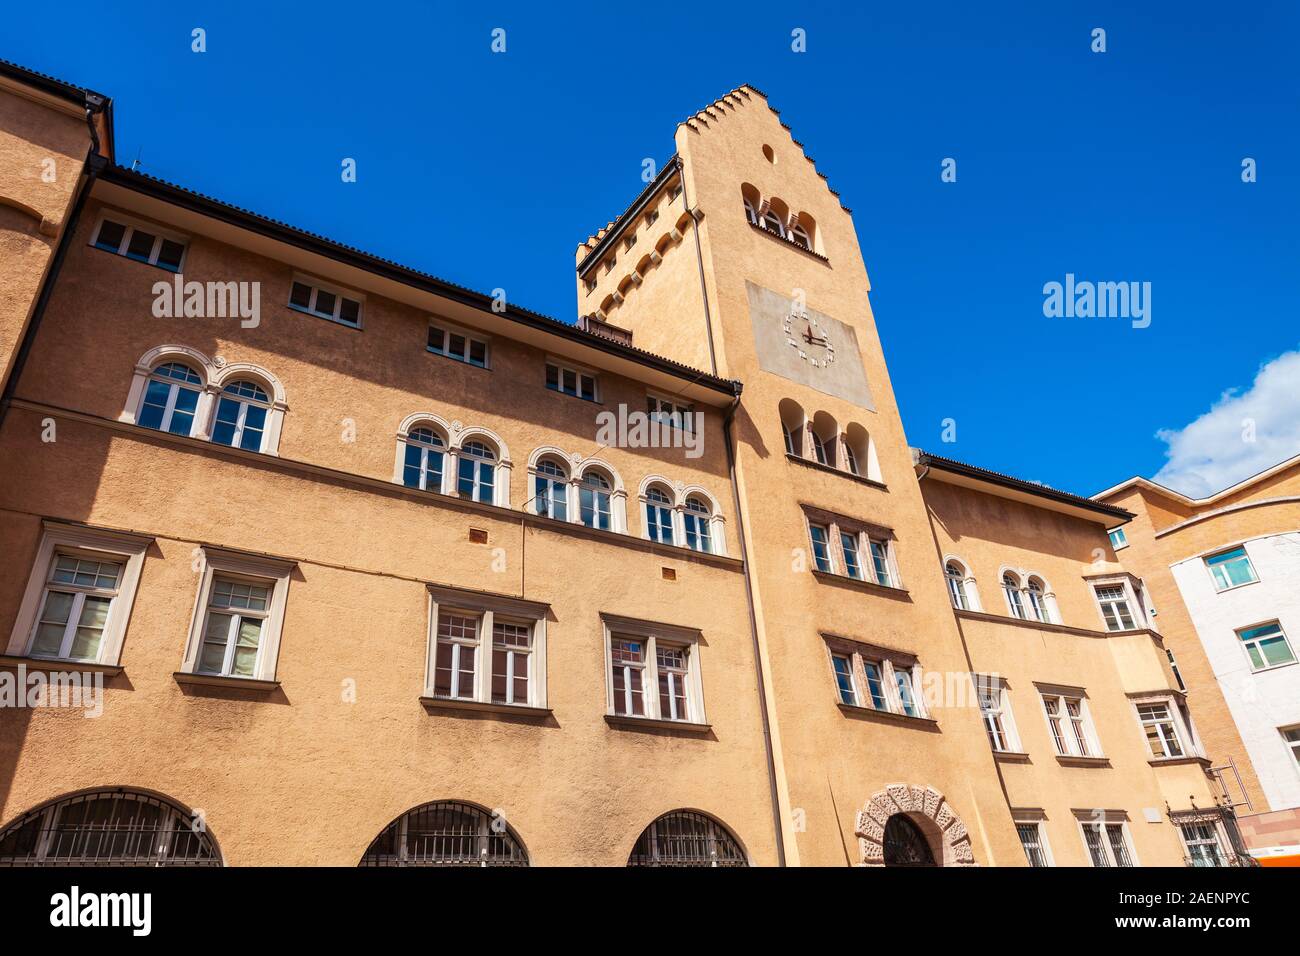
x: 768, y: 154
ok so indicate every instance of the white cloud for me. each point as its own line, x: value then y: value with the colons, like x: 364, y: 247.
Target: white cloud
x: 1216, y: 450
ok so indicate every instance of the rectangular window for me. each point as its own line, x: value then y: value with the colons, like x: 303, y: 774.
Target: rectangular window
x: 75, y: 608
x: 852, y: 567
x: 485, y: 650
x: 325, y: 303
x: 458, y: 640
x: 232, y: 636
x: 1230, y: 569
x: 1034, y: 842
x: 570, y: 382
x: 1070, y: 724
x: 1106, y: 842
x: 875, y: 684
x: 1118, y: 539
x: 821, y: 547
x: 651, y: 216
x: 1173, y: 666
x: 880, y: 562
x: 1118, y: 842
x: 1202, y: 842
x: 999, y: 723
x: 903, y: 679
x: 142, y: 245
x: 1292, y: 737
x: 1266, y: 646
x: 511, y: 650
x: 653, y: 674
x: 1114, y: 607
x: 1092, y: 839
x: 589, y: 283
x: 844, y: 682
x: 458, y: 346
x: 629, y: 240
x: 1158, y: 725
x: 667, y: 412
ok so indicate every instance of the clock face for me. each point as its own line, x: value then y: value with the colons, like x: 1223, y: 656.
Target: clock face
x: 810, y: 340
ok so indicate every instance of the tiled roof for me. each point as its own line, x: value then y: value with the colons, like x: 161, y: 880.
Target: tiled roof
x: 1019, y: 484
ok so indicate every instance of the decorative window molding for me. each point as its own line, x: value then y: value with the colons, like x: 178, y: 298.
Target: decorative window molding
x: 995, y: 709
x: 135, y: 239
x: 423, y: 453
x: 652, y: 671
x: 156, y: 400
x: 685, y: 516
x: 1069, y: 722
x: 240, y: 605
x: 833, y: 538
x: 326, y: 301
x: 1119, y: 602
x: 687, y: 838
x: 485, y: 649
x: 586, y: 491
x: 962, y: 590
x: 1106, y: 838
x: 114, y: 552
x: 480, y: 465
x: 883, y: 679
x: 458, y: 344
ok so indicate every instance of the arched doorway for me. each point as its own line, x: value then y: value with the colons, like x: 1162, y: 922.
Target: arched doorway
x: 686, y: 838
x: 904, y: 825
x: 904, y: 844
x: 446, y: 834
x: 110, y: 827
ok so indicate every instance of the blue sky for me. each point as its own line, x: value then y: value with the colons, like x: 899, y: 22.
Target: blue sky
x: 487, y: 169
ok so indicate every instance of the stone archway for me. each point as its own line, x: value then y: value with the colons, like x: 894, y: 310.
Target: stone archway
x: 927, y: 809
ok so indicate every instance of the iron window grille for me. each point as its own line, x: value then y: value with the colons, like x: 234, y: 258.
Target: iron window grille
x: 446, y: 834
x: 684, y: 838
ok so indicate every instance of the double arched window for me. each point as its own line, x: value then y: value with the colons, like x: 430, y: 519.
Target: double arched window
x: 819, y: 439
x: 116, y: 827
x: 774, y: 216
x: 180, y: 390
x: 433, y: 455
x: 685, y: 517
x: 686, y: 838
x: 447, y: 834
x: 1029, y: 597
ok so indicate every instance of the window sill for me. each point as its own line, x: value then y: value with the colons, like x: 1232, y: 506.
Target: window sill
x: 1057, y: 628
x: 328, y: 318
x: 650, y: 723
x: 888, y: 717
x: 1071, y: 761
x: 1011, y: 756
x: 793, y: 245
x: 57, y: 664
x: 452, y: 358
x: 144, y: 262
x: 482, y: 707
x: 818, y: 466
x: 1273, y: 667
x: 221, y: 680
x: 1236, y: 587
x: 1184, y: 760
x: 831, y: 577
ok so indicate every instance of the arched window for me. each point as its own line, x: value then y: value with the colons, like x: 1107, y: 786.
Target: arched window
x: 241, y: 416
x: 749, y: 195
x: 422, y: 462
x: 956, y: 576
x: 695, y: 520
x: 772, y: 222
x: 904, y: 844
x: 1011, y: 587
x: 851, y: 460
x: 685, y: 838
x: 108, y: 828
x: 477, y: 469
x: 659, y: 515
x: 860, y: 453
x: 170, y: 399
x: 751, y: 214
x: 551, y: 490
x: 593, y: 500
x: 793, y: 426
x: 799, y: 235
x: 1038, y: 601
x: 446, y: 834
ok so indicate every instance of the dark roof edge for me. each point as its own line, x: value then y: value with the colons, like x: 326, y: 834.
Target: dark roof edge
x: 49, y: 84
x: 1017, y: 484
x: 310, y: 242
x: 620, y: 222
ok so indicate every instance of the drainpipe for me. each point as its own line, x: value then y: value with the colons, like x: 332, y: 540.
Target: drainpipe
x: 740, y: 534
x: 94, y: 162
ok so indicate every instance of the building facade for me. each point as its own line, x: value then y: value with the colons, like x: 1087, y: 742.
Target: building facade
x: 351, y: 564
x: 1223, y: 570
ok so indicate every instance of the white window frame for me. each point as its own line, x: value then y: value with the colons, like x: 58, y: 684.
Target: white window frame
x: 131, y: 224
x: 485, y: 608
x: 1118, y: 539
x: 1070, y: 728
x: 1106, y: 819
x: 317, y: 286
x: 1135, y: 609
x: 1250, y: 564
x: 1037, y: 820
x: 993, y: 686
x: 1183, y: 735
x: 447, y: 330
x: 255, y: 569
x: 661, y: 415
x: 866, y: 537
x: 238, y: 616
x: 118, y: 547
x: 244, y: 402
x: 174, y: 385
x: 1247, y: 644
x: 579, y: 373
x: 1220, y: 846
x: 1293, y: 745
x: 651, y: 633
